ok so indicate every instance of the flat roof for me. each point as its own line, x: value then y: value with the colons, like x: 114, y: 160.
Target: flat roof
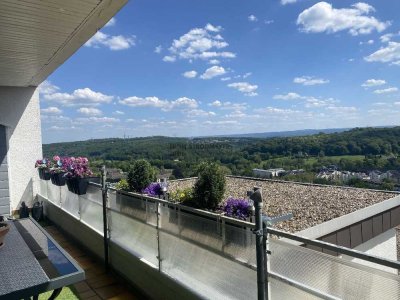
x: 310, y: 204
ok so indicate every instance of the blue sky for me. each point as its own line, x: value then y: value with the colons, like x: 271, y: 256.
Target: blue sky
x: 189, y: 68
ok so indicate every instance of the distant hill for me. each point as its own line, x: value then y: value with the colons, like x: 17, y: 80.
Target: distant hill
x: 240, y: 153
x: 302, y: 132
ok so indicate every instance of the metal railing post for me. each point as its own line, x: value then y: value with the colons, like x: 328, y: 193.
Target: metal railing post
x: 104, y: 189
x: 256, y: 196
x: 158, y: 235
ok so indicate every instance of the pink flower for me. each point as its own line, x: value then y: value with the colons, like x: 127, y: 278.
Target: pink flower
x: 56, y: 158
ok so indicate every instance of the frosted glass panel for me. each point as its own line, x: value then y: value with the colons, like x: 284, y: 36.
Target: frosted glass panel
x: 92, y: 214
x: 240, y: 243
x: 208, y: 273
x: 332, y: 275
x: 94, y: 193
x: 135, y: 235
x: 201, y: 230
x: 43, y: 188
x: 54, y: 193
x: 70, y: 203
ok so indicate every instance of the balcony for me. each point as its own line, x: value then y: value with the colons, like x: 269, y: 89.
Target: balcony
x: 172, y: 251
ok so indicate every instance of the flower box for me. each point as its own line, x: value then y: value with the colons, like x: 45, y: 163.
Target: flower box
x: 58, y: 179
x: 77, y: 185
x: 44, y: 174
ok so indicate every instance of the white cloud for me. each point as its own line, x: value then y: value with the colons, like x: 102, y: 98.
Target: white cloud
x: 386, y: 37
x: 312, y: 102
x: 284, y: 2
x: 90, y: 111
x: 252, y: 18
x: 226, y: 78
x: 212, y: 72
x: 83, y: 96
x: 246, y: 88
x: 46, y: 87
x: 288, y: 96
x: 369, y: 42
x: 199, y: 43
x: 246, y: 75
x: 322, y: 17
x: 113, y: 42
x: 118, y: 112
x: 190, y: 74
x: 275, y: 111
x: 342, y: 109
x: 388, y: 54
x: 52, y: 110
x: 267, y: 22
x: 200, y: 113
x: 386, y: 91
x: 309, y: 80
x: 227, y: 105
x: 373, y: 82
x: 214, y: 62
x: 165, y: 105
x: 158, y: 49
x: 97, y: 120
x: 110, y: 23
x: 169, y: 58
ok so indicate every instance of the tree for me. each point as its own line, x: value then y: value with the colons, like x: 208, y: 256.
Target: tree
x: 210, y: 186
x: 140, y: 175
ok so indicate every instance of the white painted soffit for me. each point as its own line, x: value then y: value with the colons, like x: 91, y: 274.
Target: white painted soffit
x: 37, y: 36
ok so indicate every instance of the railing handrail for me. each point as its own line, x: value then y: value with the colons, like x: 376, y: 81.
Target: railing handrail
x: 332, y: 247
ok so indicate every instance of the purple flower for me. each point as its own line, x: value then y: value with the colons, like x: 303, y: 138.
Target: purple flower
x: 237, y: 208
x: 153, y: 189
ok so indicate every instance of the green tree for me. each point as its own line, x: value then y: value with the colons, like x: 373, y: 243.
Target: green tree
x: 210, y: 185
x: 140, y: 175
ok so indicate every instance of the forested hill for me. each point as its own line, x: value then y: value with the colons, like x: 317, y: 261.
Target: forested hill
x: 242, y: 154
x: 358, y: 141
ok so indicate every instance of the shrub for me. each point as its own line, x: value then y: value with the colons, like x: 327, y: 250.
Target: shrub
x: 182, y: 195
x: 237, y: 208
x: 122, y: 185
x: 140, y: 175
x: 153, y: 189
x: 210, y: 185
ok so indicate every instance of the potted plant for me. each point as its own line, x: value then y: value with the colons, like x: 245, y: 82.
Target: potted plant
x: 78, y: 175
x: 43, y: 166
x: 59, y: 170
x: 4, y: 229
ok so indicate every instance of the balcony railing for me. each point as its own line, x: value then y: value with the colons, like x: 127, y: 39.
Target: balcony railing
x: 211, y: 255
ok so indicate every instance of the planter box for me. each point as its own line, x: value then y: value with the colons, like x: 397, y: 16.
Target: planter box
x: 58, y: 179
x: 77, y: 185
x: 44, y: 174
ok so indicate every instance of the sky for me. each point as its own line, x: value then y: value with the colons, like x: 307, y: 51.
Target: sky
x: 211, y: 67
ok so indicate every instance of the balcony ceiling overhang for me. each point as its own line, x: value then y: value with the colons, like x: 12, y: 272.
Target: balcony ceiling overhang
x: 37, y: 36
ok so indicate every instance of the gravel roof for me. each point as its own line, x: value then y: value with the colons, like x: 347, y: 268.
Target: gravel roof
x: 310, y: 204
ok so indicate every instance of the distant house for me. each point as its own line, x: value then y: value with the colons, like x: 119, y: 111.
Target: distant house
x: 164, y: 175
x: 115, y: 175
x: 296, y: 172
x: 378, y: 176
x: 270, y: 173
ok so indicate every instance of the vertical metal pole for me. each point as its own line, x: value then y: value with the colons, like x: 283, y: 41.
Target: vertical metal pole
x: 105, y: 223
x: 158, y: 235
x: 256, y: 196
x: 266, y: 261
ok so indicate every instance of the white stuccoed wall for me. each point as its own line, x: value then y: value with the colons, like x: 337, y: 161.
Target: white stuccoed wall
x: 20, y: 113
